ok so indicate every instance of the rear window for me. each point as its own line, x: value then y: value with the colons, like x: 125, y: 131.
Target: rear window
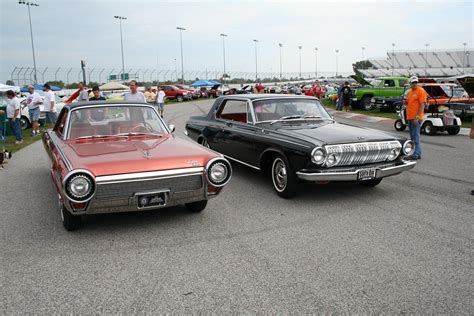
x: 234, y: 110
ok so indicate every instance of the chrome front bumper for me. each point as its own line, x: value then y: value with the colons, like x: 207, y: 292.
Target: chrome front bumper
x: 351, y: 174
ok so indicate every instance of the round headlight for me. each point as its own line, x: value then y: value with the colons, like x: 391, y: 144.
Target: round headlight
x: 218, y: 172
x: 408, y: 147
x: 79, y: 187
x: 331, y: 159
x: 393, y: 154
x: 318, y: 155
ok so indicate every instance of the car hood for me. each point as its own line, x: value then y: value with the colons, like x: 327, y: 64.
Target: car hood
x: 335, y: 133
x: 467, y: 82
x: 119, y: 156
x: 360, y: 80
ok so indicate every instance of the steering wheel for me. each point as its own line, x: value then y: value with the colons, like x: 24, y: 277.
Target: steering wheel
x: 142, y: 128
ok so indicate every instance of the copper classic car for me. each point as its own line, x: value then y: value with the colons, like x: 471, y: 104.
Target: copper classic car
x: 119, y: 157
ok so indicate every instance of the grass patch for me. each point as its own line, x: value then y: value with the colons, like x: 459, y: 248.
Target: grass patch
x: 27, y: 140
x: 465, y: 122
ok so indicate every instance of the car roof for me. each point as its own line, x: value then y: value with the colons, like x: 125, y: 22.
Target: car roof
x: 254, y: 97
x: 94, y: 103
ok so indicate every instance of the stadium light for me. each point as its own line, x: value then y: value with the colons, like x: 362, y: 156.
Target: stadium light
x: 281, y: 45
x: 31, y: 4
x: 181, y: 29
x: 120, y: 18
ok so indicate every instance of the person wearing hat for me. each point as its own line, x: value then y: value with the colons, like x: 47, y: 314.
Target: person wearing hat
x: 416, y: 101
x: 33, y: 102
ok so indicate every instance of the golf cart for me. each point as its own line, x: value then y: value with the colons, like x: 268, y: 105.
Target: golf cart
x: 438, y: 116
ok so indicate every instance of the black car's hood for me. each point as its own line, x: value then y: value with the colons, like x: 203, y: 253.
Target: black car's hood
x: 332, y: 133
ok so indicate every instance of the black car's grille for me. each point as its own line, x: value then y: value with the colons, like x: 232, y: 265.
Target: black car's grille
x: 362, y: 153
x: 130, y: 188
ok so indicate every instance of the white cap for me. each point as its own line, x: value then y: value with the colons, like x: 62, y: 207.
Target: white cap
x: 413, y: 79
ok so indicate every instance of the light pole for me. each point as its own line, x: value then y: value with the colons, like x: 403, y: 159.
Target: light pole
x: 181, y: 29
x: 176, y: 70
x: 256, y: 62
x: 300, y: 47
x: 281, y: 45
x: 393, y: 57
x: 29, y: 4
x: 426, y: 58
x: 120, y: 18
x: 363, y: 48
x: 464, y: 59
x: 223, y: 52
x: 316, y: 62
x: 337, y: 51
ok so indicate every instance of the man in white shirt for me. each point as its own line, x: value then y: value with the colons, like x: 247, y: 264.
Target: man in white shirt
x: 34, y: 101
x: 14, y: 115
x: 83, y: 94
x: 49, y: 106
x: 160, y: 100
x: 134, y: 94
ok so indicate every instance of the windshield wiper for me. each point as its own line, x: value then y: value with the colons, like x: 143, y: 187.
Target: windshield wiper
x: 94, y: 136
x: 137, y: 134
x: 289, y: 117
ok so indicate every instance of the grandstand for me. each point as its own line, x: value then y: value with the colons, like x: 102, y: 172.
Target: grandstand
x: 434, y: 63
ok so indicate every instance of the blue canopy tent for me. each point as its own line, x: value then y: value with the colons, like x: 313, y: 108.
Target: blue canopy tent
x: 205, y: 83
x: 40, y: 87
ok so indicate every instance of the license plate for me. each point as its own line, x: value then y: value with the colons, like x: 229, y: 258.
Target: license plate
x: 147, y: 200
x: 367, y: 174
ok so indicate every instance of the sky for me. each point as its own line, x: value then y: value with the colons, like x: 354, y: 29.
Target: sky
x: 67, y: 31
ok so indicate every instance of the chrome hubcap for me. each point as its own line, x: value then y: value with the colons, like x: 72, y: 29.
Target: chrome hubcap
x: 279, y: 175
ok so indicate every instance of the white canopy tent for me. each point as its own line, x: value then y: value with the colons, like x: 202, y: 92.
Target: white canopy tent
x: 110, y: 86
x: 4, y: 88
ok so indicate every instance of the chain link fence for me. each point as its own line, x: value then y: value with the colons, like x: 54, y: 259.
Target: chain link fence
x: 25, y: 75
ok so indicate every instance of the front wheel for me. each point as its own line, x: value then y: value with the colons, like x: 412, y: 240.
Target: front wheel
x: 366, y: 104
x: 196, y: 207
x: 179, y: 98
x: 428, y: 128
x: 371, y: 183
x: 399, y: 126
x: 24, y: 123
x: 70, y: 222
x: 283, y: 178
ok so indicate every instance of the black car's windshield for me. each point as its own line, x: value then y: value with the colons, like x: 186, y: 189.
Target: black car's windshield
x: 107, y: 121
x: 289, y: 109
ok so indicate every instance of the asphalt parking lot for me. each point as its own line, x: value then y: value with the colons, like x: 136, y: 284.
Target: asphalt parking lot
x: 405, y: 246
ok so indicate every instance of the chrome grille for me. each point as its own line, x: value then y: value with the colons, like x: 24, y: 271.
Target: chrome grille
x: 128, y: 189
x: 362, y: 153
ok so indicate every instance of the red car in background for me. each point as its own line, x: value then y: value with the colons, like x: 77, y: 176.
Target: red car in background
x: 195, y: 93
x: 174, y: 93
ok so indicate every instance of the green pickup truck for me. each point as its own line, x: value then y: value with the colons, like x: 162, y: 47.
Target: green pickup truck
x: 378, y: 87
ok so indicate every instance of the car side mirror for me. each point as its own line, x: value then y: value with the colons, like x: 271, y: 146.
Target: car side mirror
x: 172, y: 128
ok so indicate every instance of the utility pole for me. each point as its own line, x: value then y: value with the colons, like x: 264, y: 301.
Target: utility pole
x: 181, y: 29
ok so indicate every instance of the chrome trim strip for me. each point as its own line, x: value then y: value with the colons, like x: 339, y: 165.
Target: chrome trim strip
x: 241, y: 162
x: 67, y: 163
x: 142, y: 176
x: 352, y: 175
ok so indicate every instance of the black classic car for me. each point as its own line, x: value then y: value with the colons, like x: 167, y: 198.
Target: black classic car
x: 293, y: 138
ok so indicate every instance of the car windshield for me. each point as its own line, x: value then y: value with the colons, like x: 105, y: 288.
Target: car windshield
x: 376, y: 82
x: 288, y: 109
x: 107, y: 121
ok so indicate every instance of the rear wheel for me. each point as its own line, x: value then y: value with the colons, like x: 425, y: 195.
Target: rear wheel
x: 428, y: 128
x: 399, y: 126
x: 454, y: 131
x: 370, y: 183
x: 365, y: 104
x: 283, y: 178
x: 196, y: 207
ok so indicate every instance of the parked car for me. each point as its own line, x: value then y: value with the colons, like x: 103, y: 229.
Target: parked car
x: 120, y: 156
x: 174, y: 93
x: 293, y: 138
x: 195, y: 93
x: 378, y: 87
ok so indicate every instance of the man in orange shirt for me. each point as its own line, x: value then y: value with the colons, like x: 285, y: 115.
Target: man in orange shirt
x: 416, y: 102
